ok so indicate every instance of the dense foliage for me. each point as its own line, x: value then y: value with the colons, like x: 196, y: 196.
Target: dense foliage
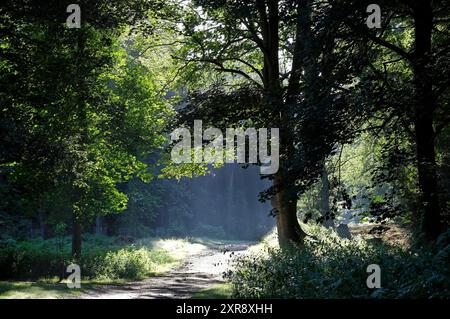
x: 103, y: 258
x: 332, y: 267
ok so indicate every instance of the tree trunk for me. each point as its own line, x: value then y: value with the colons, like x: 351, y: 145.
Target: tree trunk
x: 283, y: 201
x: 425, y: 104
x: 76, y: 237
x: 80, y: 106
x: 285, y: 205
x: 431, y: 212
x: 42, y: 224
x: 324, y: 200
x: 99, y: 225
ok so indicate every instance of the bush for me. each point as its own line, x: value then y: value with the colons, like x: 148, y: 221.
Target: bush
x: 102, y: 259
x: 131, y: 263
x: 30, y: 259
x: 331, y: 267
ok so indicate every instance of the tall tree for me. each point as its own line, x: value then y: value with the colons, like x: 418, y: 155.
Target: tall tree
x: 295, y: 79
x: 427, y: 57
x: 62, y: 93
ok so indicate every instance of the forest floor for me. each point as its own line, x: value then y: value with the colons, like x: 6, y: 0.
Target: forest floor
x: 199, y: 276
x: 391, y: 233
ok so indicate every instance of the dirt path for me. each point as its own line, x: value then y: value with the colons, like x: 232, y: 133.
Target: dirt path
x: 198, y: 272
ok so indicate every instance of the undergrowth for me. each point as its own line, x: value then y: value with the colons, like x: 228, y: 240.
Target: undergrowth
x: 331, y: 267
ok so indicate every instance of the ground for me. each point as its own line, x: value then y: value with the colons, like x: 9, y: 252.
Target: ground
x: 34, y: 290
x: 391, y: 233
x: 199, y: 276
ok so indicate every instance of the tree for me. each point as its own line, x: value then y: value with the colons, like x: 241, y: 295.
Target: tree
x: 63, y: 95
x: 427, y: 57
x: 289, y: 74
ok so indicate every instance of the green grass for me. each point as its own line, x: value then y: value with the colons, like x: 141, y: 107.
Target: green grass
x: 219, y: 291
x: 35, y: 290
x: 33, y: 266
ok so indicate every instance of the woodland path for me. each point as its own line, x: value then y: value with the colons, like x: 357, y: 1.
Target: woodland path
x: 199, y: 271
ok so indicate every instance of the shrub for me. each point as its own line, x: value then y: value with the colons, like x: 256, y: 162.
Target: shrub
x: 331, y: 267
x: 102, y: 259
x: 131, y: 263
x: 30, y: 259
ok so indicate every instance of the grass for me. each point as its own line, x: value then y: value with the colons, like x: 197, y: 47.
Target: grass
x: 176, y: 249
x: 35, y: 290
x: 219, y: 291
x: 105, y: 261
x: 49, y: 288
